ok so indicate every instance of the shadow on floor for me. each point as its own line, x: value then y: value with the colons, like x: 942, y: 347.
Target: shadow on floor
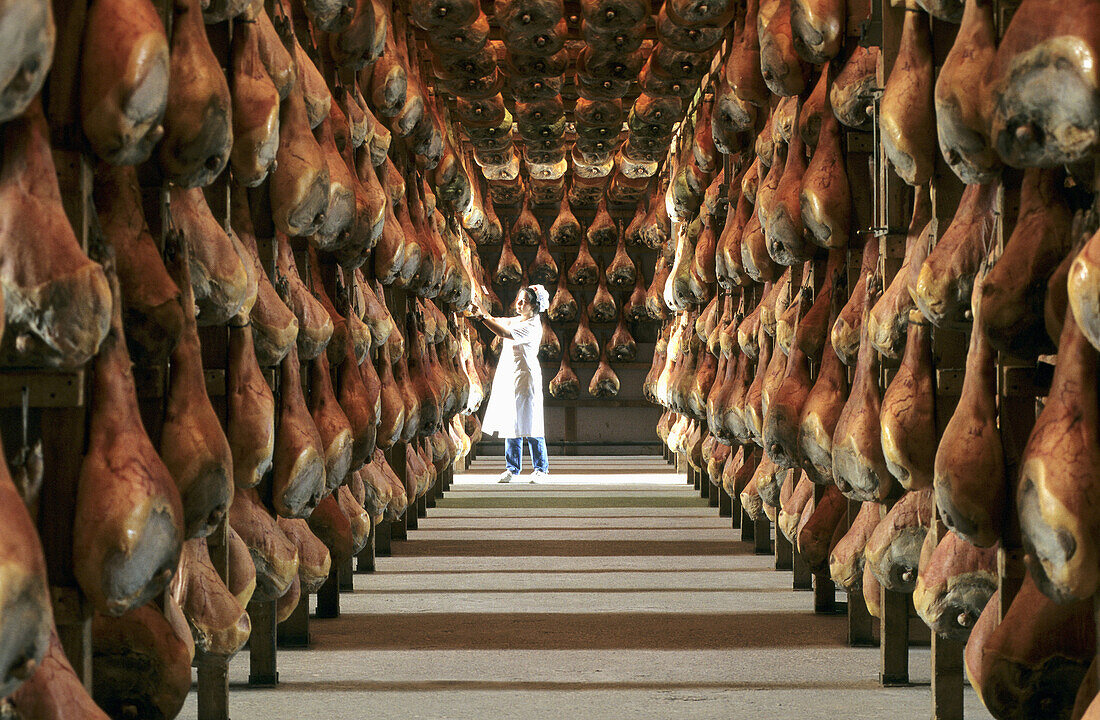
x: 551, y: 686
x: 578, y: 631
x: 679, y: 589
x: 564, y: 548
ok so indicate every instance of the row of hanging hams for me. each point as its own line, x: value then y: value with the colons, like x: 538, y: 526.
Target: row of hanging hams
x: 299, y: 481
x: 780, y: 359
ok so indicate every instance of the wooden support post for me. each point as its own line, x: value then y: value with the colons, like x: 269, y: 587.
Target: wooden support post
x: 762, y: 536
x: 399, y: 527
x: 382, y: 535
x: 328, y: 597
x: 262, y: 666
x: 294, y: 631
x: 947, y: 679
x: 364, y: 561
x: 784, y: 552
x: 570, y: 431
x: 894, y: 638
x: 725, y: 502
x: 947, y: 660
x: 213, y: 687
x: 422, y: 506
x: 824, y: 594
x: 803, y: 576
x: 748, y: 527
x: 346, y: 576
x: 694, y: 480
x: 861, y: 624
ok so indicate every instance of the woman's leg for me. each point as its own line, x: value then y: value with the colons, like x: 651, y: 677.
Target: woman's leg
x: 513, y: 455
x: 539, y: 461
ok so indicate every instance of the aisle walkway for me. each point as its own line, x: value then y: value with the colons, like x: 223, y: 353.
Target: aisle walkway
x: 605, y: 593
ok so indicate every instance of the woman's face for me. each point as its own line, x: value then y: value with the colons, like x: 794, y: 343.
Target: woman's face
x: 521, y: 304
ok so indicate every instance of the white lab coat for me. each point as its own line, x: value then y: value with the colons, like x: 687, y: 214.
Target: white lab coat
x: 515, y: 404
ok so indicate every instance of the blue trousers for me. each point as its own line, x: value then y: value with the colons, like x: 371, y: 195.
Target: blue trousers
x: 513, y: 454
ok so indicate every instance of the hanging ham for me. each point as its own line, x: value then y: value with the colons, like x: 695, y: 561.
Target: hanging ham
x: 57, y: 302
x: 893, y: 549
x: 954, y: 584
x: 946, y: 280
x: 223, y: 277
x: 29, y: 26
x: 1058, y: 473
x: 193, y: 444
x: 1014, y: 290
x: 908, y: 414
x: 198, y: 133
x: 962, y: 97
x: 907, y: 118
x: 129, y: 523
x: 152, y: 314
x: 1030, y: 663
x: 255, y: 109
x: 140, y: 663
x: 1043, y: 109
x: 124, y: 79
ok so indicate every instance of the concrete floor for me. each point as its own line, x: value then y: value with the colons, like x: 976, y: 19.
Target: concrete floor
x: 612, y: 591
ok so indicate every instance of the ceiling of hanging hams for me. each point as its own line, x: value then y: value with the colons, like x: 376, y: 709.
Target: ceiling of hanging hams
x: 550, y: 99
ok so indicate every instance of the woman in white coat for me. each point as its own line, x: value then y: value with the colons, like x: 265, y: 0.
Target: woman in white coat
x: 515, y: 404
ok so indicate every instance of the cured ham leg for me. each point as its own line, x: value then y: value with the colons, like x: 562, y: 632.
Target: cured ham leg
x: 893, y: 549
x: 151, y: 310
x: 314, y: 560
x: 274, y: 326
x: 299, y: 464
x: 908, y: 413
x: 198, y: 132
x: 53, y: 691
x: 1014, y: 290
x: 946, y: 280
x: 859, y: 467
x: 1031, y: 663
x: 890, y: 315
x: 218, y: 621
x: 251, y: 427
x: 193, y: 445
x: 26, y: 615
x: 954, y: 584
x: 255, y: 109
x: 29, y: 27
x: 299, y: 183
x: 1058, y: 477
x: 124, y: 79
x: 274, y: 556
x: 1044, y: 110
x: 57, y: 302
x: 847, y: 556
x: 1081, y: 284
x: 128, y: 525
x: 818, y: 27
x: 962, y: 97
x: 969, y: 472
x: 907, y: 120
x: 315, y: 326
x: 140, y: 665
x: 825, y: 198
x: 816, y: 532
x: 223, y: 277
x: 331, y: 422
